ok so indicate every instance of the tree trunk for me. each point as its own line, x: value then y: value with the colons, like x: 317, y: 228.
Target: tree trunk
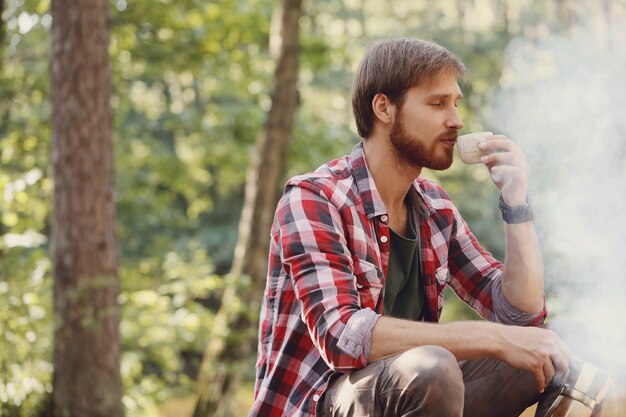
x: 264, y: 177
x: 2, y: 37
x: 87, y: 348
x: 234, y: 335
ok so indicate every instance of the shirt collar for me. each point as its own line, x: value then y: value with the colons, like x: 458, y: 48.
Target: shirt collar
x: 370, y: 197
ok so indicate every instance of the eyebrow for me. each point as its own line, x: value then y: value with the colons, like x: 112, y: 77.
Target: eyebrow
x: 443, y: 96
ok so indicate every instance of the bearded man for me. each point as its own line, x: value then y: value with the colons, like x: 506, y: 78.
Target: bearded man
x: 363, y: 248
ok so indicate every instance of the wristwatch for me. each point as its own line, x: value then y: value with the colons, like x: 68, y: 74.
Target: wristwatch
x: 516, y: 214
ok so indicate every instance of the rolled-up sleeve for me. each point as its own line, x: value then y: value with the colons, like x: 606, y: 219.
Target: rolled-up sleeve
x: 477, y: 279
x: 504, y: 312
x: 315, y: 252
x: 356, y: 338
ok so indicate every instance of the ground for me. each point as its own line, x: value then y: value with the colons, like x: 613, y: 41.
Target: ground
x: 614, y: 406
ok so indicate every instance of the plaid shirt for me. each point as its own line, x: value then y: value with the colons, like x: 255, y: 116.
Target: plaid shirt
x: 327, y: 264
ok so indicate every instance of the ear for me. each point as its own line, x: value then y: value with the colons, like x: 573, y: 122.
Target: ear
x: 383, y: 108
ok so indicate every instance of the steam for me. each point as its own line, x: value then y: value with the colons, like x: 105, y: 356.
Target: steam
x: 563, y: 99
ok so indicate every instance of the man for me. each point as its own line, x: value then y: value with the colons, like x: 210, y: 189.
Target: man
x: 362, y: 249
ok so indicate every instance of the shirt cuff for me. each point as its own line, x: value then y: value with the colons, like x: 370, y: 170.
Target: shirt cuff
x: 356, y: 338
x: 506, y: 313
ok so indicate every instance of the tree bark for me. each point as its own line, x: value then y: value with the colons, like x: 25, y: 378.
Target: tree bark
x: 234, y: 333
x: 87, y: 348
x: 265, y: 174
x: 2, y: 36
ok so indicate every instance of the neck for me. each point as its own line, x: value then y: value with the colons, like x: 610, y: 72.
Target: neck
x: 393, y: 177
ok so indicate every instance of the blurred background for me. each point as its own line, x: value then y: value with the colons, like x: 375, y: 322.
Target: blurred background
x: 214, y: 105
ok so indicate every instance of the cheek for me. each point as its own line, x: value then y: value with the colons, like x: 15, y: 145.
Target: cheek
x: 429, y: 122
x: 422, y: 122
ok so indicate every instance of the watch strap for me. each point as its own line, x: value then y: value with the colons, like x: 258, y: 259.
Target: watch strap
x: 516, y: 214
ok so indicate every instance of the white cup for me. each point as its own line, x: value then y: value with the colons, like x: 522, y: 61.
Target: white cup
x: 467, y: 146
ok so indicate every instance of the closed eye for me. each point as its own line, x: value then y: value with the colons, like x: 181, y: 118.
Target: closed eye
x: 442, y: 100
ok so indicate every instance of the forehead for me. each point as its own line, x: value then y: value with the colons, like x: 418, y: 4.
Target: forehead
x: 445, y: 83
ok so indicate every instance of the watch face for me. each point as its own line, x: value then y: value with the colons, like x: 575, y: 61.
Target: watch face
x: 517, y: 214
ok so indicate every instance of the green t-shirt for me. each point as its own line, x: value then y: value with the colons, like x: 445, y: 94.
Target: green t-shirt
x: 404, y: 295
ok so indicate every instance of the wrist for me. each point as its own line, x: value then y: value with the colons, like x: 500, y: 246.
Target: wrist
x: 514, y: 196
x: 498, y: 343
x: 493, y: 340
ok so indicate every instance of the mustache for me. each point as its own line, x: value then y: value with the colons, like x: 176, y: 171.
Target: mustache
x: 451, y: 134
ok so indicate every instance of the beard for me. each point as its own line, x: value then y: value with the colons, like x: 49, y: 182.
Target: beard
x: 414, y: 151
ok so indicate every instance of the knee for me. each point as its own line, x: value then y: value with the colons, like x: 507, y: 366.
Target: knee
x: 430, y: 364
x: 423, y: 381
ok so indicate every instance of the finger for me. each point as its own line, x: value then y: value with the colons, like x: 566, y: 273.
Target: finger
x: 548, y: 372
x: 498, y: 145
x: 567, y: 352
x: 499, y: 137
x: 540, y: 378
x: 560, y: 364
x: 502, y: 158
x: 499, y: 173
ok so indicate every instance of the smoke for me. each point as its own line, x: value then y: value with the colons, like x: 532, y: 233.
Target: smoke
x: 563, y: 99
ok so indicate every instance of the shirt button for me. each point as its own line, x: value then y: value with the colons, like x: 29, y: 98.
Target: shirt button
x: 384, y: 218
x: 384, y: 239
x: 316, y: 398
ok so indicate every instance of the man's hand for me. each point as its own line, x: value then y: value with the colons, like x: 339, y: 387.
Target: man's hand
x: 507, y: 167
x: 539, y: 351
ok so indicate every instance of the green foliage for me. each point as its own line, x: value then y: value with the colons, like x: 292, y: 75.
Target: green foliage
x: 187, y: 102
x: 25, y: 283
x: 165, y: 330
x: 26, y: 334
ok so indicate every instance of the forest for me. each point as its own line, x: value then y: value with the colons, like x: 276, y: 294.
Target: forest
x: 144, y: 145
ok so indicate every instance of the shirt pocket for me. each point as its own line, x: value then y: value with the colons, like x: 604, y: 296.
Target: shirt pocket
x: 369, y: 283
x: 442, y: 274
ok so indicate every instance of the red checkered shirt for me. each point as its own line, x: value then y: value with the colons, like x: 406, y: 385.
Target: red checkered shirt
x: 327, y: 264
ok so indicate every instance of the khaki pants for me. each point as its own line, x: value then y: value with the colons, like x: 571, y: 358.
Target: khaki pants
x: 428, y: 381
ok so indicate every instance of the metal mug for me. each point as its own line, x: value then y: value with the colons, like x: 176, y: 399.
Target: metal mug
x: 584, y: 388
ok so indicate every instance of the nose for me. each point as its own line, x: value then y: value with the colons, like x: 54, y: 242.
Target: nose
x: 454, y: 120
